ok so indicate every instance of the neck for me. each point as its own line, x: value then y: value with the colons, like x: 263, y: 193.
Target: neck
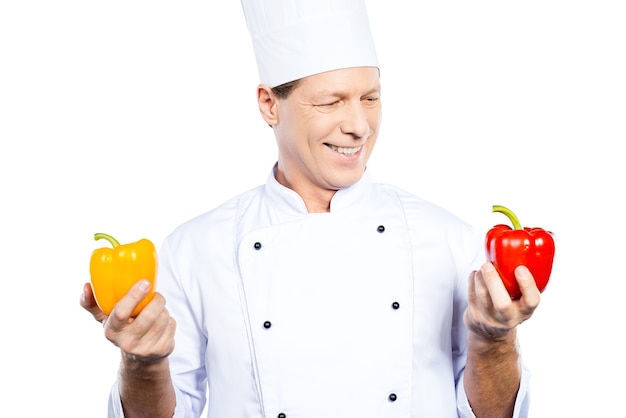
x: 316, y: 201
x: 317, y: 205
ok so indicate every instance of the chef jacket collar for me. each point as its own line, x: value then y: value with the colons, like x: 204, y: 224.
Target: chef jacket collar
x: 289, y: 204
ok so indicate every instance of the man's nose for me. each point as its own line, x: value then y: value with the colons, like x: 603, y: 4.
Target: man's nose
x: 355, y: 121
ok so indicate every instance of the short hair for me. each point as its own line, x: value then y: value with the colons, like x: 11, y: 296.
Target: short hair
x: 283, y: 91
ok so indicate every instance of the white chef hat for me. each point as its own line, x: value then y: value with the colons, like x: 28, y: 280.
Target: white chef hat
x: 298, y: 38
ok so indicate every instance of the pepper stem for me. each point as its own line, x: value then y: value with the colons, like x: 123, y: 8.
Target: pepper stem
x: 109, y: 238
x: 509, y: 213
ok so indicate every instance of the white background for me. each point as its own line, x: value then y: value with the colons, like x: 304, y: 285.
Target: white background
x: 130, y: 117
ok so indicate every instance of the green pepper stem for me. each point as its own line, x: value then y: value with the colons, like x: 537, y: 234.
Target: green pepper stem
x: 109, y: 238
x: 509, y: 213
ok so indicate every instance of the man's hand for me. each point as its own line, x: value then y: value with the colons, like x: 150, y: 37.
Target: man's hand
x: 149, y: 336
x: 146, y: 341
x: 492, y: 313
x: 492, y: 372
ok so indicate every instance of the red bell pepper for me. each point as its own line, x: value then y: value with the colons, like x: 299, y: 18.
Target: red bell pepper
x: 508, y: 248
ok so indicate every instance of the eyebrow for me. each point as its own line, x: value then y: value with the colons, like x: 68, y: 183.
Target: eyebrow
x: 345, y: 93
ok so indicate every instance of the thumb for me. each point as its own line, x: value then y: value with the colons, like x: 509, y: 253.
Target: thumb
x: 124, y: 309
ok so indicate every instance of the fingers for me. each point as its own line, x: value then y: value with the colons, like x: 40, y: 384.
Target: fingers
x: 491, y: 313
x: 148, y: 336
x: 471, y: 289
x: 487, y: 313
x: 497, y: 292
x: 88, y: 302
x: 487, y: 291
x: 530, y: 293
x: 153, y: 332
x: 491, y: 309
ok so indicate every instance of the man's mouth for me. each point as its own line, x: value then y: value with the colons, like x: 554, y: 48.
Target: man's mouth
x: 345, y: 150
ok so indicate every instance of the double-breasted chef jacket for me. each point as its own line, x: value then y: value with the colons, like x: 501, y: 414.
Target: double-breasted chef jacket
x: 355, y: 313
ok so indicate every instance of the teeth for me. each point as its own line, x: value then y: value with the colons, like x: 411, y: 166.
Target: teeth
x: 345, y: 150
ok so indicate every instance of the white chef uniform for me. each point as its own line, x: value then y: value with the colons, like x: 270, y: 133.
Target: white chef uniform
x: 352, y: 313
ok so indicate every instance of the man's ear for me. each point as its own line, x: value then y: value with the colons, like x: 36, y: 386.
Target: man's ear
x: 268, y: 104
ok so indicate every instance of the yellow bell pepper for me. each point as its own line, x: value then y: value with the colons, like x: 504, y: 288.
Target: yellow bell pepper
x: 115, y: 270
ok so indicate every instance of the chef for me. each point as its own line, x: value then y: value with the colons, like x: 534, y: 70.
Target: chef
x: 321, y: 293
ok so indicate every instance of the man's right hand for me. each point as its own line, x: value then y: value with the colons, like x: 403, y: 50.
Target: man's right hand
x: 149, y: 336
x: 146, y: 341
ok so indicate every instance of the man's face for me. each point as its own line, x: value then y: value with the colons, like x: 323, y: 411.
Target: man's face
x: 326, y: 130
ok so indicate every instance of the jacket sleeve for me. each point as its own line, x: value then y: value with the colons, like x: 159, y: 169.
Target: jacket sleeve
x: 183, y: 410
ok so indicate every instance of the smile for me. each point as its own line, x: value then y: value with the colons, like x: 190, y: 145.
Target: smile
x: 345, y: 150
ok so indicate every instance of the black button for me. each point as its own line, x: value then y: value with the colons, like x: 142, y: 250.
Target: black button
x: 395, y: 305
x: 257, y: 246
x: 381, y: 228
x: 267, y: 324
x: 392, y: 397
x: 281, y: 415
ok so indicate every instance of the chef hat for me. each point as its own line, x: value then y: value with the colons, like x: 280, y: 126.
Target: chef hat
x: 297, y: 38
